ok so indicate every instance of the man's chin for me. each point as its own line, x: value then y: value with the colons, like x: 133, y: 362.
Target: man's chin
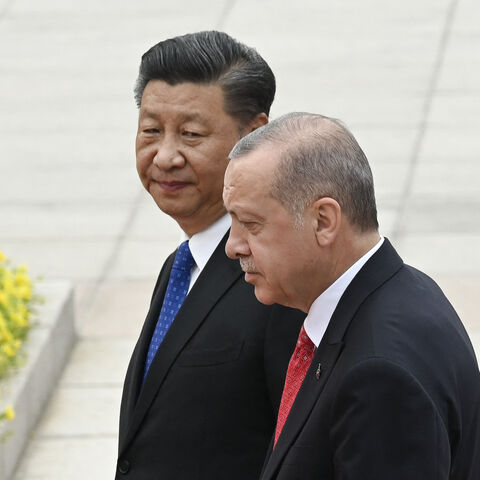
x: 263, y: 296
x: 175, y: 209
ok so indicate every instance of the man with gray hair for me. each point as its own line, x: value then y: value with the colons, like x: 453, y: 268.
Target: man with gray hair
x: 383, y: 382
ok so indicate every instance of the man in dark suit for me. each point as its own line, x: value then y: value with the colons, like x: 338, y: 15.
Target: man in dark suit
x: 206, y: 376
x: 383, y: 383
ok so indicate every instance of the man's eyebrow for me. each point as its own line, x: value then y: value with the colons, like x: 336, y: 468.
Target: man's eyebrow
x: 192, y: 116
x: 148, y: 113
x: 184, y: 117
x: 247, y: 216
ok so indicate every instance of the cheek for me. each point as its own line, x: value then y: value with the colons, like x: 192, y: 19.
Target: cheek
x: 139, y: 146
x: 210, y: 173
x: 144, y: 158
x: 278, y: 276
x: 279, y: 266
x: 266, y: 263
x: 141, y: 166
x: 215, y: 155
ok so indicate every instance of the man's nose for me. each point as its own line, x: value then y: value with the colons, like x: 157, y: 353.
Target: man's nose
x: 168, y: 154
x: 236, y: 246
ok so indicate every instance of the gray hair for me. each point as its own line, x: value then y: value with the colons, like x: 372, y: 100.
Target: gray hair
x: 319, y: 157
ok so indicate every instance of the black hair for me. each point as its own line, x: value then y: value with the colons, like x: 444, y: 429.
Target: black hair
x: 209, y: 57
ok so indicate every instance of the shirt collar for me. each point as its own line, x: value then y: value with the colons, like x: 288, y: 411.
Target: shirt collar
x: 203, y: 244
x: 323, y: 307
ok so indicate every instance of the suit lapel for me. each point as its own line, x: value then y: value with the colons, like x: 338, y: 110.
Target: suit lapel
x: 137, y: 364
x: 378, y: 269
x: 216, y: 278
x: 150, y: 324
x: 325, y: 357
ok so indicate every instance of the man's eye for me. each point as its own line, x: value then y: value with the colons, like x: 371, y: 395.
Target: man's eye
x: 190, y: 134
x: 251, y: 226
x: 151, y: 130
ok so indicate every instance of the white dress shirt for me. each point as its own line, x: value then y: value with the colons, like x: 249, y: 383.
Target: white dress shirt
x: 203, y: 244
x: 323, y: 307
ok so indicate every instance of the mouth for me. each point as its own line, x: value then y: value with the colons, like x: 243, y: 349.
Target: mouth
x: 172, y: 186
x: 248, y: 266
x: 250, y: 276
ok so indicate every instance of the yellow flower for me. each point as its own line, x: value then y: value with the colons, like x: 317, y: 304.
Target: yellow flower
x: 3, y: 323
x: 24, y: 292
x: 9, y: 413
x: 19, y: 319
x: 8, y: 286
x: 8, y: 350
x: 24, y: 312
x: 22, y: 279
x: 5, y: 335
x: 16, y: 298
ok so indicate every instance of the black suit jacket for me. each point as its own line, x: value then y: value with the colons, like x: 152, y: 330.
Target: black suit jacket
x: 393, y: 391
x: 208, y: 406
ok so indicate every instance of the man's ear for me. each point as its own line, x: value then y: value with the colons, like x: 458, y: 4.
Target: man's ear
x: 327, y: 220
x: 259, y: 121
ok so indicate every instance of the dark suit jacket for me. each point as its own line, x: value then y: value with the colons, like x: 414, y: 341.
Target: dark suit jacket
x: 398, y: 388
x: 208, y: 407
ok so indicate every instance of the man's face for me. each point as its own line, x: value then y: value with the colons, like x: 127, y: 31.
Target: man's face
x: 184, y: 137
x: 275, y: 255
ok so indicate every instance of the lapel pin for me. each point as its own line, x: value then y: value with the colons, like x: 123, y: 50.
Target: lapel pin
x: 319, y: 371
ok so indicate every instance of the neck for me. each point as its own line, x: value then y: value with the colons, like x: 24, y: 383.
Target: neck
x: 350, y: 249
x: 192, y: 225
x: 338, y: 258
x: 361, y: 245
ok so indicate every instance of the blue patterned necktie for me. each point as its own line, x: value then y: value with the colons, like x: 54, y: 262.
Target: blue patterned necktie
x: 177, y: 290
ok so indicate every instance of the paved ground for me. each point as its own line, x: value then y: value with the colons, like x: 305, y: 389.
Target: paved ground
x: 405, y: 76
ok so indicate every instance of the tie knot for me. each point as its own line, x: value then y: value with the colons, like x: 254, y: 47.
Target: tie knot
x: 183, y: 259
x: 304, y: 340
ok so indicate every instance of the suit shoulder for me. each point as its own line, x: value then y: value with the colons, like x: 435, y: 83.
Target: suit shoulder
x: 412, y: 300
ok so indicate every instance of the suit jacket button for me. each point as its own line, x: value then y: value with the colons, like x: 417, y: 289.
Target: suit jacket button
x: 123, y: 466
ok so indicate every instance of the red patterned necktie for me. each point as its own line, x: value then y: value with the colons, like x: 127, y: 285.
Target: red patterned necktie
x: 297, y: 370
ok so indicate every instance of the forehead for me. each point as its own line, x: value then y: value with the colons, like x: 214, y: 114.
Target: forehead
x: 249, y: 177
x: 192, y: 100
